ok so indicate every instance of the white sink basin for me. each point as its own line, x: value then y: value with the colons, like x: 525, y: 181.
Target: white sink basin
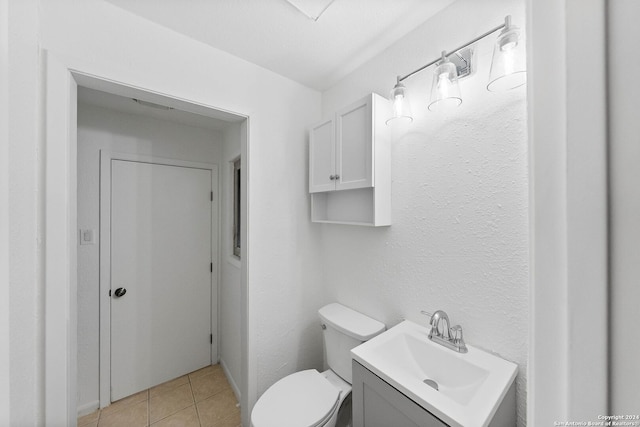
x: 470, y: 385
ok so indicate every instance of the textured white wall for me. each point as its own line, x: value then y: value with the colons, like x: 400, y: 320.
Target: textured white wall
x: 81, y: 34
x: 230, y: 346
x: 459, y: 234
x: 100, y: 128
x: 25, y: 229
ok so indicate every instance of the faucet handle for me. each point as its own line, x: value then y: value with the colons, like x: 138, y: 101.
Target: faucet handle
x: 434, y: 328
x: 458, y: 340
x: 456, y: 333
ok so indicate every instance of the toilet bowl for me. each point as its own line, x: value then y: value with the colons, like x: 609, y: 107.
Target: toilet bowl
x: 311, y: 398
x: 306, y: 398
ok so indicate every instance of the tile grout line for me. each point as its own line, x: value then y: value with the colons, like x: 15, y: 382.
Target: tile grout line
x: 166, y: 392
x: 195, y: 404
x: 148, y: 406
x: 147, y: 399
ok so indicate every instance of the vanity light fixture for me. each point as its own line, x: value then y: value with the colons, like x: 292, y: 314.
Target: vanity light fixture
x: 507, y: 71
x: 508, y: 68
x: 445, y: 91
x: 401, y: 107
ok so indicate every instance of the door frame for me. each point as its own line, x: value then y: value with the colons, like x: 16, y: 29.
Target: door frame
x: 106, y: 156
x: 60, y: 204
x: 568, y: 249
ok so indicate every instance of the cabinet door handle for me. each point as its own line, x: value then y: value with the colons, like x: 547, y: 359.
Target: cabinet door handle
x: 332, y: 177
x: 336, y: 177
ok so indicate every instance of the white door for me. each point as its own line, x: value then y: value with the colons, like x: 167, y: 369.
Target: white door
x: 354, y: 146
x: 322, y: 157
x: 160, y: 254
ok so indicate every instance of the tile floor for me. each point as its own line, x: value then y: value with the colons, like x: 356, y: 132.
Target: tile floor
x: 202, y: 398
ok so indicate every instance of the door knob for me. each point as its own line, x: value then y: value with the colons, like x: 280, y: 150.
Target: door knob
x: 120, y: 292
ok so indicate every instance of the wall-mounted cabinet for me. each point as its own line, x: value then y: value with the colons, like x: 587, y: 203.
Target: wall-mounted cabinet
x: 350, y: 165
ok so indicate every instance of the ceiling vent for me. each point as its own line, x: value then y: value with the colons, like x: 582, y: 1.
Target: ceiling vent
x: 152, y: 105
x: 311, y: 8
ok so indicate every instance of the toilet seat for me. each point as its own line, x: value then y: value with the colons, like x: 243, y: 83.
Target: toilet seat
x: 302, y: 399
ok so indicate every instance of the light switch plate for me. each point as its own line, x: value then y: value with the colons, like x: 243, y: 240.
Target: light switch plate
x: 87, y: 237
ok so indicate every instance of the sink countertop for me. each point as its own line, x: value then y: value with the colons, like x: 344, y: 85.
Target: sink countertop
x: 471, y: 385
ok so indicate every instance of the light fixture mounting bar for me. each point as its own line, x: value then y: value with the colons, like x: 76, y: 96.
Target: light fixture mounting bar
x: 447, y: 54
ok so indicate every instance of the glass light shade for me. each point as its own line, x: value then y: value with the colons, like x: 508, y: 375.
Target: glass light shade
x: 508, y: 65
x: 401, y: 108
x: 445, y: 91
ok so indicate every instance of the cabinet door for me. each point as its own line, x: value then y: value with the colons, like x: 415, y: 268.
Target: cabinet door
x: 377, y: 404
x: 322, y: 157
x: 354, y: 146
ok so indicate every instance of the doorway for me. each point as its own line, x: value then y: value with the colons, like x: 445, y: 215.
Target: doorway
x: 125, y: 138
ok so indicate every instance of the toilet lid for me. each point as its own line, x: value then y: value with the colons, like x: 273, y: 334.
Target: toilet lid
x: 302, y: 399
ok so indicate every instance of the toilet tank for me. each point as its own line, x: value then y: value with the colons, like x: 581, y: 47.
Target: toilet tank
x: 342, y: 330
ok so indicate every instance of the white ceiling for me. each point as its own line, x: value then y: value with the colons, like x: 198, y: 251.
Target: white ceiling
x: 126, y: 105
x: 278, y: 36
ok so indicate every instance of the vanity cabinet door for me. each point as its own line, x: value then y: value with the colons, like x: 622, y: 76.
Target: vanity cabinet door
x: 377, y: 404
x: 354, y: 145
x: 322, y: 157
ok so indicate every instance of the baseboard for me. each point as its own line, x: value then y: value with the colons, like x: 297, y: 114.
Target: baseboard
x: 232, y: 383
x: 88, y: 408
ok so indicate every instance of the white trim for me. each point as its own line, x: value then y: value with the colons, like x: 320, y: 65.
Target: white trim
x: 567, y: 367
x: 231, y: 380
x: 4, y: 216
x: 104, y: 394
x: 140, y: 158
x: 624, y: 205
x: 60, y: 305
x: 234, y: 261
x: 587, y: 210
x: 106, y: 157
x: 60, y: 245
x: 88, y: 408
x: 249, y: 360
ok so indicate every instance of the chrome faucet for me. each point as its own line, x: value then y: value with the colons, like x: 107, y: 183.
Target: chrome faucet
x: 436, y: 318
x: 449, y: 337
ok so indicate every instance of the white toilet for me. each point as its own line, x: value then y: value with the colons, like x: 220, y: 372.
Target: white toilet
x: 311, y: 398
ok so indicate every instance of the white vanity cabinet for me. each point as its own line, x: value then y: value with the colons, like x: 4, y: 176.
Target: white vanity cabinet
x: 350, y: 165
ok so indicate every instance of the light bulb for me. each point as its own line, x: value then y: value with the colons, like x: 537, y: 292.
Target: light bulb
x: 397, y: 104
x: 508, y: 68
x: 444, y: 85
x: 445, y: 92
x: 509, y: 41
x: 400, y: 104
x: 509, y: 62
